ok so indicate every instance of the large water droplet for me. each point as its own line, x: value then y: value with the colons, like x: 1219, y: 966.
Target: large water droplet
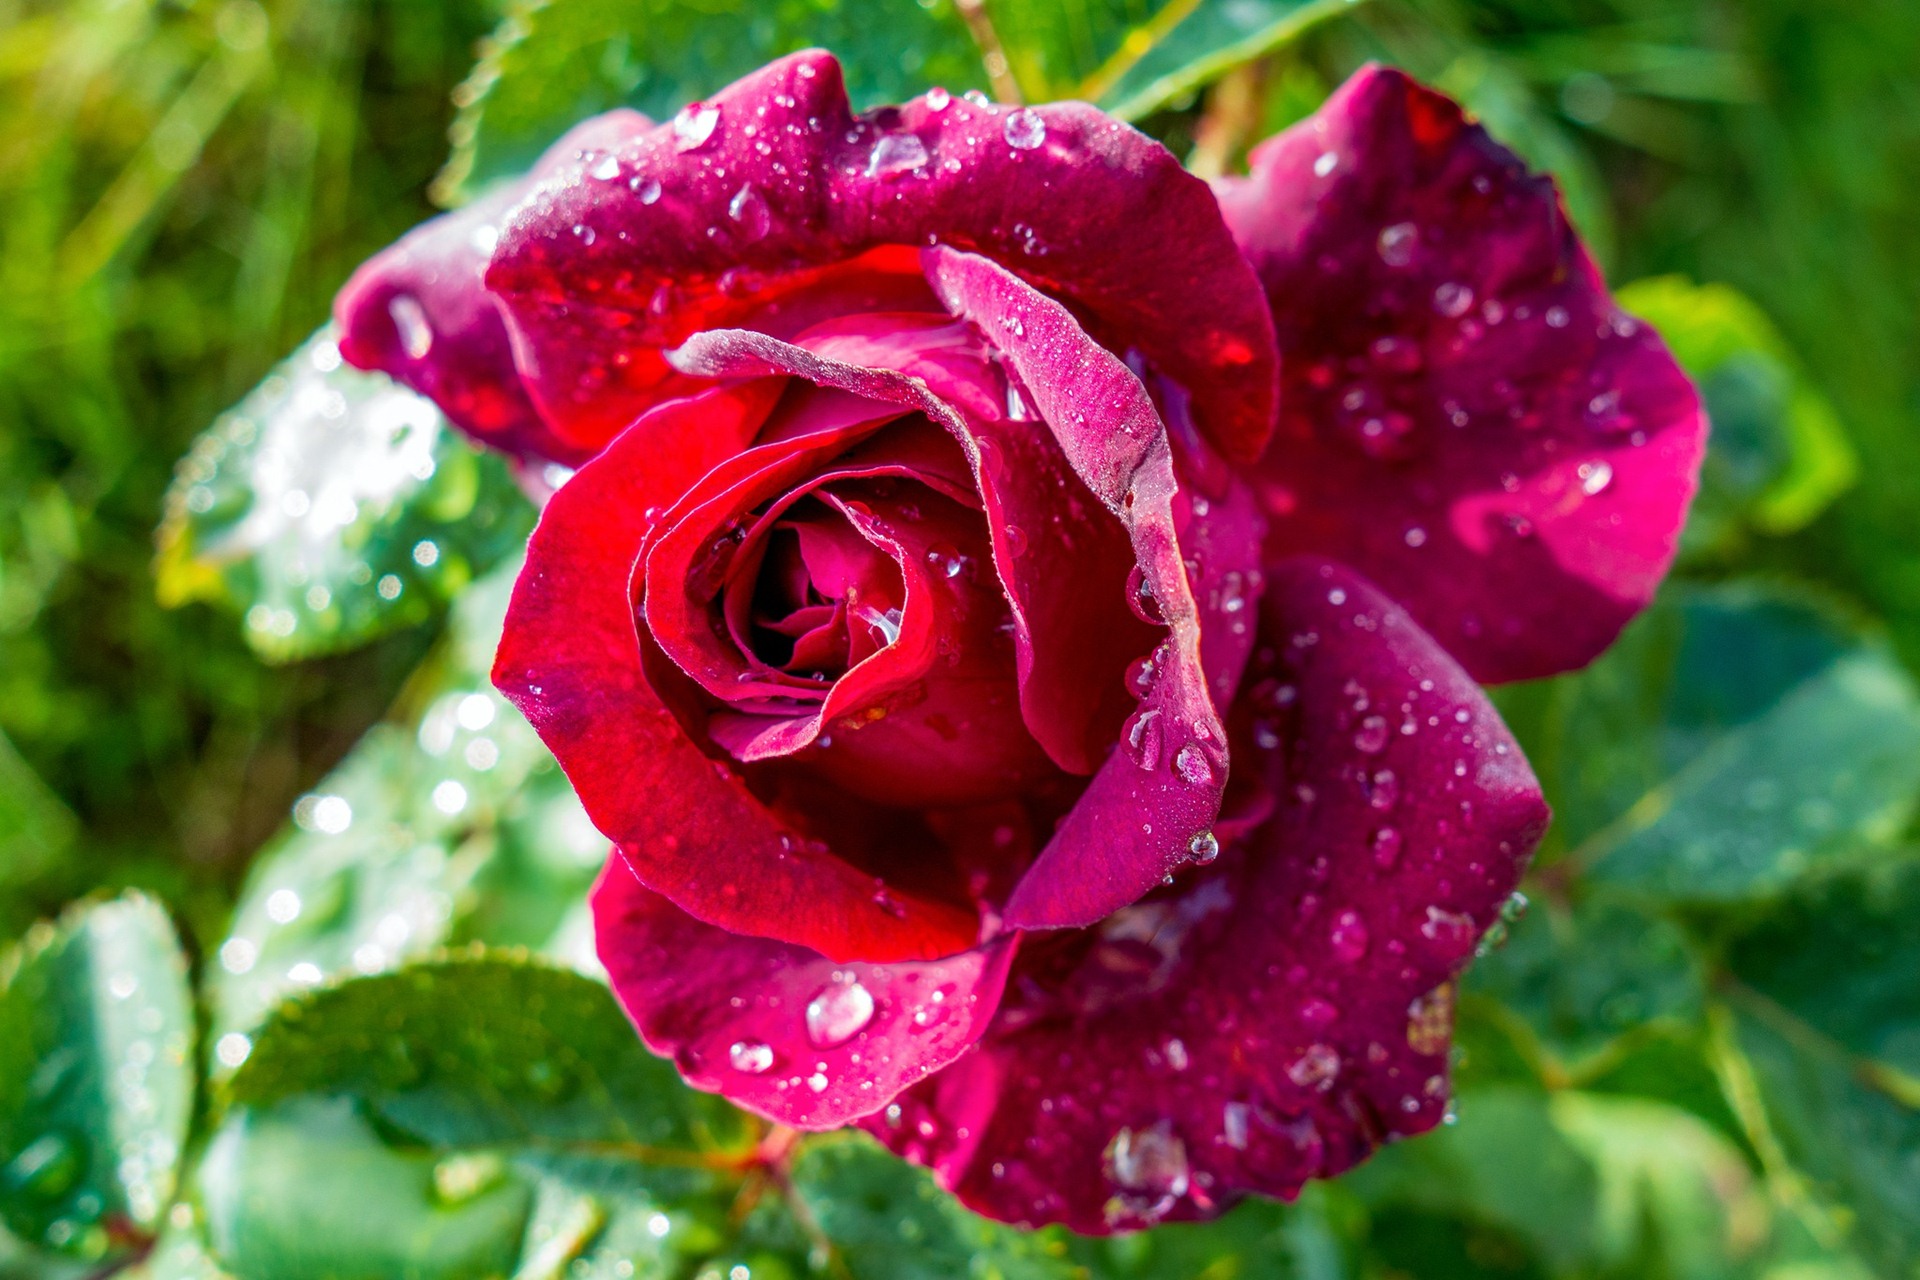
x: 1371, y: 736
x: 694, y: 125
x: 938, y: 98
x: 749, y: 209
x: 838, y: 1012
x: 1024, y: 129
x: 648, y: 189
x: 1192, y: 764
x: 1203, y: 848
x: 1451, y: 932
x: 1594, y: 476
x: 750, y: 1056
x: 1151, y: 1160
x: 1316, y: 1068
x: 1453, y: 300
x: 1141, y: 598
x: 1145, y: 738
x: 895, y: 153
x: 1397, y: 242
x: 1349, y: 937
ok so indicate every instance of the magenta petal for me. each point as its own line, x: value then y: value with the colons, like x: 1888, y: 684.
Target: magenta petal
x: 1466, y: 416
x: 1152, y: 799
x: 419, y: 311
x: 1279, y: 1015
x: 778, y: 1029
x: 773, y: 178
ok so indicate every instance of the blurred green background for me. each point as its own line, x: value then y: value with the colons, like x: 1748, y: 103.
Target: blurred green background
x: 183, y: 185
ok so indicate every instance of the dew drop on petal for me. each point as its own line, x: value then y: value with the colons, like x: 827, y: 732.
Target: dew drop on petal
x: 1152, y: 1160
x: 1024, y: 129
x: 1204, y: 848
x: 938, y: 98
x: 1191, y: 763
x: 694, y: 125
x: 1371, y: 737
x: 838, y: 1013
x: 1595, y: 476
x: 648, y: 189
x: 1145, y: 736
x: 410, y: 322
x: 896, y: 153
x: 749, y: 209
x: 1397, y: 242
x: 1349, y: 937
x: 1316, y: 1068
x: 750, y: 1056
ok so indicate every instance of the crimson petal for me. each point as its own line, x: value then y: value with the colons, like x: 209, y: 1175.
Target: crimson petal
x: 695, y: 224
x: 778, y: 1029
x: 1278, y: 1015
x: 570, y: 659
x: 1467, y: 417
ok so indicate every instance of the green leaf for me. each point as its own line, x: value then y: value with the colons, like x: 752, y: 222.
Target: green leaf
x: 888, y: 1220
x: 1735, y: 738
x: 1778, y: 455
x: 453, y: 824
x: 1584, y: 975
x: 96, y: 1076
x: 332, y: 506
x: 484, y: 1050
x: 1670, y: 1186
x: 1852, y: 1129
x: 35, y: 827
x: 309, y: 1191
x: 554, y: 62
x: 1843, y: 956
x: 1155, y: 66
x: 1504, y: 1164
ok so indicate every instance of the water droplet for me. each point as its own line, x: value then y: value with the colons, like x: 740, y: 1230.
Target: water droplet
x: 946, y: 560
x: 607, y: 170
x: 410, y: 322
x: 1145, y: 738
x: 1316, y: 1068
x: 1595, y: 476
x: 1371, y: 737
x: 1141, y: 597
x: 938, y: 98
x: 838, y: 1012
x: 750, y: 1056
x: 1558, y: 317
x: 750, y: 210
x: 1383, y: 789
x: 1024, y: 129
x: 1192, y: 764
x: 1326, y: 163
x: 1451, y: 932
x: 1416, y: 537
x: 1397, y: 242
x: 1203, y: 848
x: 1152, y: 1160
x: 694, y: 125
x: 1349, y: 936
x: 818, y: 1082
x: 648, y: 189
x: 1430, y: 1020
x: 896, y: 153
x: 1453, y: 300
x: 977, y: 98
x: 1386, y: 847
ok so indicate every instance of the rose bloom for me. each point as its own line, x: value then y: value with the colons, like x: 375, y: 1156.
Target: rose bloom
x: 1018, y: 612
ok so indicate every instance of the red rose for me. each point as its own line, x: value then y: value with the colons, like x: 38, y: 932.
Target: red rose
x: 927, y: 529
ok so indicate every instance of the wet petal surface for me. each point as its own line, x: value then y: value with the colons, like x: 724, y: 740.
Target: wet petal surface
x: 1466, y: 415
x: 1278, y: 1013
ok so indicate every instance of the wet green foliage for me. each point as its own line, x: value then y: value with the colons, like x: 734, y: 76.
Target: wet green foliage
x: 357, y: 1028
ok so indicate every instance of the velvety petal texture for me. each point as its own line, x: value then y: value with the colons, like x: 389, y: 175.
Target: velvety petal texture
x: 752, y: 194
x: 1466, y: 417
x: 1278, y: 1014
x: 781, y: 1030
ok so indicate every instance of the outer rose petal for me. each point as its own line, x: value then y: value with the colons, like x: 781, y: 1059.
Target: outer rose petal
x: 420, y: 311
x: 1466, y: 415
x: 778, y: 1029
x: 1277, y: 1016
x: 701, y: 217
x: 570, y: 659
